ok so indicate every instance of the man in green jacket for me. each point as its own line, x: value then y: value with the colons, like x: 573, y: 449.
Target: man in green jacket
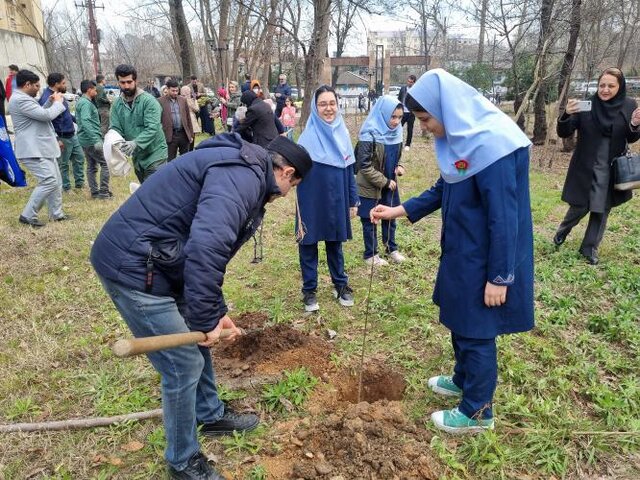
x: 90, y: 138
x: 103, y: 103
x: 136, y: 116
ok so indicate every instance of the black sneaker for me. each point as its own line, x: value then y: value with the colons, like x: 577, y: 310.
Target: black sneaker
x: 310, y: 301
x: 229, y: 423
x: 344, y: 295
x: 591, y: 257
x: 559, y: 239
x: 34, y: 223
x: 198, y: 468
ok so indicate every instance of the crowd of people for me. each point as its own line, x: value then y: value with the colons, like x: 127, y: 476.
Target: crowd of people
x: 162, y: 258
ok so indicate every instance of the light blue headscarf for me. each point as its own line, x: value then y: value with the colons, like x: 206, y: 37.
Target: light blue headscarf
x: 476, y: 130
x: 377, y: 122
x: 327, y: 143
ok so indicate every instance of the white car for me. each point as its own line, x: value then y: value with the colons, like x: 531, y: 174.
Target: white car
x: 70, y: 97
x: 394, y: 90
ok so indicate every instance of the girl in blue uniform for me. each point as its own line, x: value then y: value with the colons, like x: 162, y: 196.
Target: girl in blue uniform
x: 327, y: 198
x: 378, y: 156
x: 484, y: 286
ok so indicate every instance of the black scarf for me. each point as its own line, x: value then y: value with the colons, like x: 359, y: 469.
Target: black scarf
x: 604, y: 113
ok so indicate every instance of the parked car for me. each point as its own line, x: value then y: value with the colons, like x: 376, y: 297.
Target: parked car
x: 70, y: 97
x: 394, y: 90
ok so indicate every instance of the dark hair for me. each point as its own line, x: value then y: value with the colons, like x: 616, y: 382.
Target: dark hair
x: 247, y: 76
x: 412, y: 104
x: 15, y: 68
x: 99, y: 78
x: 412, y: 77
x: 194, y: 77
x: 25, y: 76
x: 290, y: 99
x: 615, y: 72
x: 281, y: 162
x: 324, y: 88
x: 85, y: 85
x: 54, y: 78
x: 125, y: 70
x: 171, y: 83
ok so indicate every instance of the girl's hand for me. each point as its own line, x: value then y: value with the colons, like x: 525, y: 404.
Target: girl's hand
x: 353, y: 211
x: 392, y: 185
x: 635, y: 117
x: 382, y: 212
x: 400, y: 170
x: 495, y: 295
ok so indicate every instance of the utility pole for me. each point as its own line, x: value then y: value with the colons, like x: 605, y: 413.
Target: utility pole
x: 94, y: 33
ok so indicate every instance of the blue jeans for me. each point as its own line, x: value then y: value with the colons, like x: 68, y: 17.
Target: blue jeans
x: 370, y: 237
x: 309, y: 265
x: 476, y: 373
x: 189, y: 394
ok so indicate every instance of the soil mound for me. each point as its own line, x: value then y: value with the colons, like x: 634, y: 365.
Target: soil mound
x: 364, y: 441
x: 268, y: 350
x: 265, y: 343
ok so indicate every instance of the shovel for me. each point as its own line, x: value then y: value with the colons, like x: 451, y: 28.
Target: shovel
x: 135, y: 346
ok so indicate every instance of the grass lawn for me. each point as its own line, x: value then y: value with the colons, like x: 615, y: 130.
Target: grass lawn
x: 568, y: 398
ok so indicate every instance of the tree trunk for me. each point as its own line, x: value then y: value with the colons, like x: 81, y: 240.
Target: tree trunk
x: 314, y: 59
x: 184, y: 44
x: 223, y: 42
x: 568, y: 62
x: 540, y: 111
x: 483, y: 23
x: 267, y: 45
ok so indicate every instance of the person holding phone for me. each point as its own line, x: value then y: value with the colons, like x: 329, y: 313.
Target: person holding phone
x: 604, y: 131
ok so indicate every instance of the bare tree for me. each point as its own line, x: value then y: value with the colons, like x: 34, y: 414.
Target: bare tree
x: 540, y: 107
x: 314, y: 59
x: 182, y: 36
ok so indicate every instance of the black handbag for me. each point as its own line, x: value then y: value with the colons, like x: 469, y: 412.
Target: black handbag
x: 626, y: 171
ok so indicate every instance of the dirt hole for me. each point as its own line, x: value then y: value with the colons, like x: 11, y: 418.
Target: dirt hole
x: 378, y: 383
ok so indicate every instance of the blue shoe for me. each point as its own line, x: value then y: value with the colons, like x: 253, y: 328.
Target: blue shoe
x: 443, y: 385
x: 456, y: 422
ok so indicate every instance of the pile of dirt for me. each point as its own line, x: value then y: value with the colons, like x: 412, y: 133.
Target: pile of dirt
x: 363, y: 441
x: 265, y: 351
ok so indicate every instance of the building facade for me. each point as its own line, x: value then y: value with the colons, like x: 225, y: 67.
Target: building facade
x: 22, y: 36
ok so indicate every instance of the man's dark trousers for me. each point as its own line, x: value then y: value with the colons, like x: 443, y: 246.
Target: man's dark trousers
x: 179, y: 143
x: 408, y: 118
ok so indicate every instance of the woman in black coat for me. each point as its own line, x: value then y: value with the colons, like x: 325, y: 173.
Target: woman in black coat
x: 603, y: 134
x: 259, y: 124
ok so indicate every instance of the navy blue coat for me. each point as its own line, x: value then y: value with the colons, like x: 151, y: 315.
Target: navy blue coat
x: 487, y: 236
x: 324, y: 198
x: 188, y: 220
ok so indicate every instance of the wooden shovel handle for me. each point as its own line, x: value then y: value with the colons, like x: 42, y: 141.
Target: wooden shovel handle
x: 135, y: 346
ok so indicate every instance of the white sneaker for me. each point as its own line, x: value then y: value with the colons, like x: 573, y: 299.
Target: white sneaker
x: 407, y: 148
x: 376, y: 260
x: 397, y: 257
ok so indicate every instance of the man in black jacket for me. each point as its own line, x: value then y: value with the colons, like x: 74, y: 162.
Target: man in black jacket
x: 162, y: 258
x: 407, y: 116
